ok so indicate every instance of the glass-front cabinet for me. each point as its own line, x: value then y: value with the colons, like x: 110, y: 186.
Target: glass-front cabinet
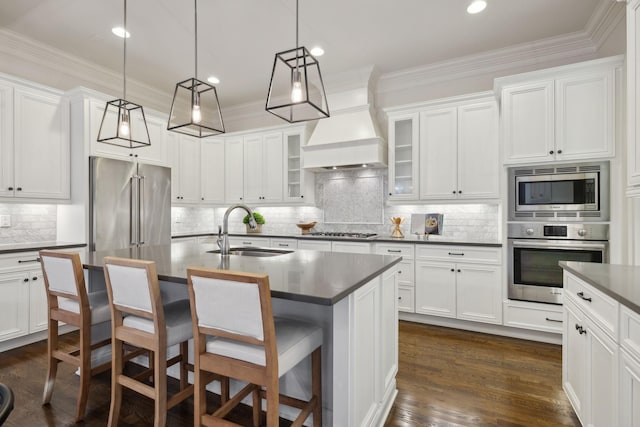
x: 403, y: 154
x: 298, y: 182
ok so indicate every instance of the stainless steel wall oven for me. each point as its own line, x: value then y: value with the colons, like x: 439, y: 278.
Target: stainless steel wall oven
x: 534, y: 250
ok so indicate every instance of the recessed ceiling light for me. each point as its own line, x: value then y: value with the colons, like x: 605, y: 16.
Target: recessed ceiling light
x: 213, y: 80
x: 120, y: 32
x: 476, y: 6
x: 317, y: 51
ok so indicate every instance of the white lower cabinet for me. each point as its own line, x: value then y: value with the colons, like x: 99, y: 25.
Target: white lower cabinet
x: 23, y: 306
x: 629, y: 390
x: 351, y: 247
x: 534, y: 316
x: 283, y: 243
x: 467, y: 291
x: 590, y: 354
x: 406, y: 272
x: 315, y: 245
x: 248, y: 241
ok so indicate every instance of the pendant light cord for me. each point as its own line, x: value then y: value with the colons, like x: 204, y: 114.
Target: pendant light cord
x: 124, y: 62
x: 195, y: 9
x: 297, y: 67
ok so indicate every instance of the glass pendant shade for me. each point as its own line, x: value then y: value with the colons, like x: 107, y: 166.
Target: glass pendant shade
x: 195, y: 109
x: 296, y: 90
x: 124, y: 124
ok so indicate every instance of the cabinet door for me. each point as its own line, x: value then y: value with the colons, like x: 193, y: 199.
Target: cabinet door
x: 435, y: 288
x: 585, y: 116
x: 14, y: 305
x: 272, y: 168
x: 253, y: 167
x: 403, y: 157
x: 574, y: 347
x: 478, y: 151
x: 212, y: 171
x: 6, y: 140
x: 527, y: 122
x: 38, y: 315
x: 479, y: 293
x: 189, y: 169
x: 233, y: 170
x: 156, y: 153
x: 366, y: 371
x: 298, y: 182
x: 389, y: 331
x: 602, y: 372
x: 102, y: 149
x: 438, y: 154
x: 406, y: 299
x: 633, y: 92
x: 42, y: 145
x: 629, y: 391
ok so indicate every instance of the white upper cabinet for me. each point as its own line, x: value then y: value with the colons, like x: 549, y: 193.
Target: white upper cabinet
x: 298, y: 182
x: 185, y: 169
x: 561, y: 114
x: 445, y: 150
x: 438, y: 154
x: 263, y: 168
x: 459, y: 152
x: 403, y: 156
x: 34, y: 143
x: 212, y: 170
x: 527, y: 122
x: 633, y: 96
x: 233, y: 170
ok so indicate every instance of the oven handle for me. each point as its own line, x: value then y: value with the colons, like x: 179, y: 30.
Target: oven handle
x: 547, y: 245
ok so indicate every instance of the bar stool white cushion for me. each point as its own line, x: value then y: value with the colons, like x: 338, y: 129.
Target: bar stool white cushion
x: 177, y: 316
x: 98, y: 301
x: 295, y: 340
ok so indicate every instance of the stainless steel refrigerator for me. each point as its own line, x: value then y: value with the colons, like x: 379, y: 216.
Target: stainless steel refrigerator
x: 130, y: 204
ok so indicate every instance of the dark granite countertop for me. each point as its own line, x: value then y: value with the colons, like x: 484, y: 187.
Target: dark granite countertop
x: 303, y: 275
x: 378, y: 239
x: 620, y: 282
x: 36, y: 246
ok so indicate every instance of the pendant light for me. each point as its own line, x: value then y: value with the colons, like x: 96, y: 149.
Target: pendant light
x: 296, y: 90
x: 123, y: 122
x: 195, y: 109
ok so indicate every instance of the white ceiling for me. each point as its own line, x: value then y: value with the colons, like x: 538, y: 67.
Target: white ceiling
x: 238, y: 38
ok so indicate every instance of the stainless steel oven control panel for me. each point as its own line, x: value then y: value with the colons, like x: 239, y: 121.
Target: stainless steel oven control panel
x: 538, y: 230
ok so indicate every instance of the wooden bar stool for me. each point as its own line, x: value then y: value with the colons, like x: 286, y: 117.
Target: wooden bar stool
x: 69, y: 302
x: 139, y: 318
x: 236, y: 336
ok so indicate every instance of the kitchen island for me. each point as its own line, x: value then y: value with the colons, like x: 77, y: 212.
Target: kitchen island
x: 352, y: 296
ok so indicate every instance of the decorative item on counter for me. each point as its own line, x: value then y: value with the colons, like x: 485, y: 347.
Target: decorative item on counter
x: 259, y: 221
x: 306, y: 227
x: 396, y: 221
x: 433, y: 223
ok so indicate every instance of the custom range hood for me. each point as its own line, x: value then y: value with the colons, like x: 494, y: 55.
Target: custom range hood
x: 349, y: 139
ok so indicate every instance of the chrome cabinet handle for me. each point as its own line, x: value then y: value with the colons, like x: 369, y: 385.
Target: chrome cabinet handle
x: 141, y: 209
x: 581, y: 295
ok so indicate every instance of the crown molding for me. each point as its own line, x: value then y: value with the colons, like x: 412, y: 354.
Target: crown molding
x: 17, y: 48
x: 569, y: 47
x: 604, y: 20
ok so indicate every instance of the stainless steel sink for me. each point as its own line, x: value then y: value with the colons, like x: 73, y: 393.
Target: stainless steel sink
x: 257, y: 252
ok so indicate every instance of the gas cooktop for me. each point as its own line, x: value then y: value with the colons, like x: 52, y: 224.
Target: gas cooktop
x: 343, y: 234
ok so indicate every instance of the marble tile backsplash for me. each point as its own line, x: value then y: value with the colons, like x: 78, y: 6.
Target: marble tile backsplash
x: 29, y: 223
x: 462, y: 222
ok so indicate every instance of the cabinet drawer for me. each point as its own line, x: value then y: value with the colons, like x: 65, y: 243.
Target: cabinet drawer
x: 602, y: 308
x: 630, y: 331
x: 405, y: 251
x: 207, y: 239
x: 405, y: 299
x: 351, y: 247
x: 284, y: 243
x: 249, y: 241
x: 532, y: 316
x: 20, y: 260
x: 406, y: 273
x: 467, y: 254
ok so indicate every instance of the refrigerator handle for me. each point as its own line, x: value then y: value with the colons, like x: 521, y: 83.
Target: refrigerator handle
x: 133, y: 209
x: 141, y: 210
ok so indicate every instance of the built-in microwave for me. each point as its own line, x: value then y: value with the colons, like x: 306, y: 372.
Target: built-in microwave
x: 568, y: 192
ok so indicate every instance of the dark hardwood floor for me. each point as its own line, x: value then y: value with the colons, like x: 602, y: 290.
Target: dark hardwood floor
x: 446, y: 377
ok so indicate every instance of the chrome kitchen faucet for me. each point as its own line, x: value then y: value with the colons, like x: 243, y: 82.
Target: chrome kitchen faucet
x: 223, y: 234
